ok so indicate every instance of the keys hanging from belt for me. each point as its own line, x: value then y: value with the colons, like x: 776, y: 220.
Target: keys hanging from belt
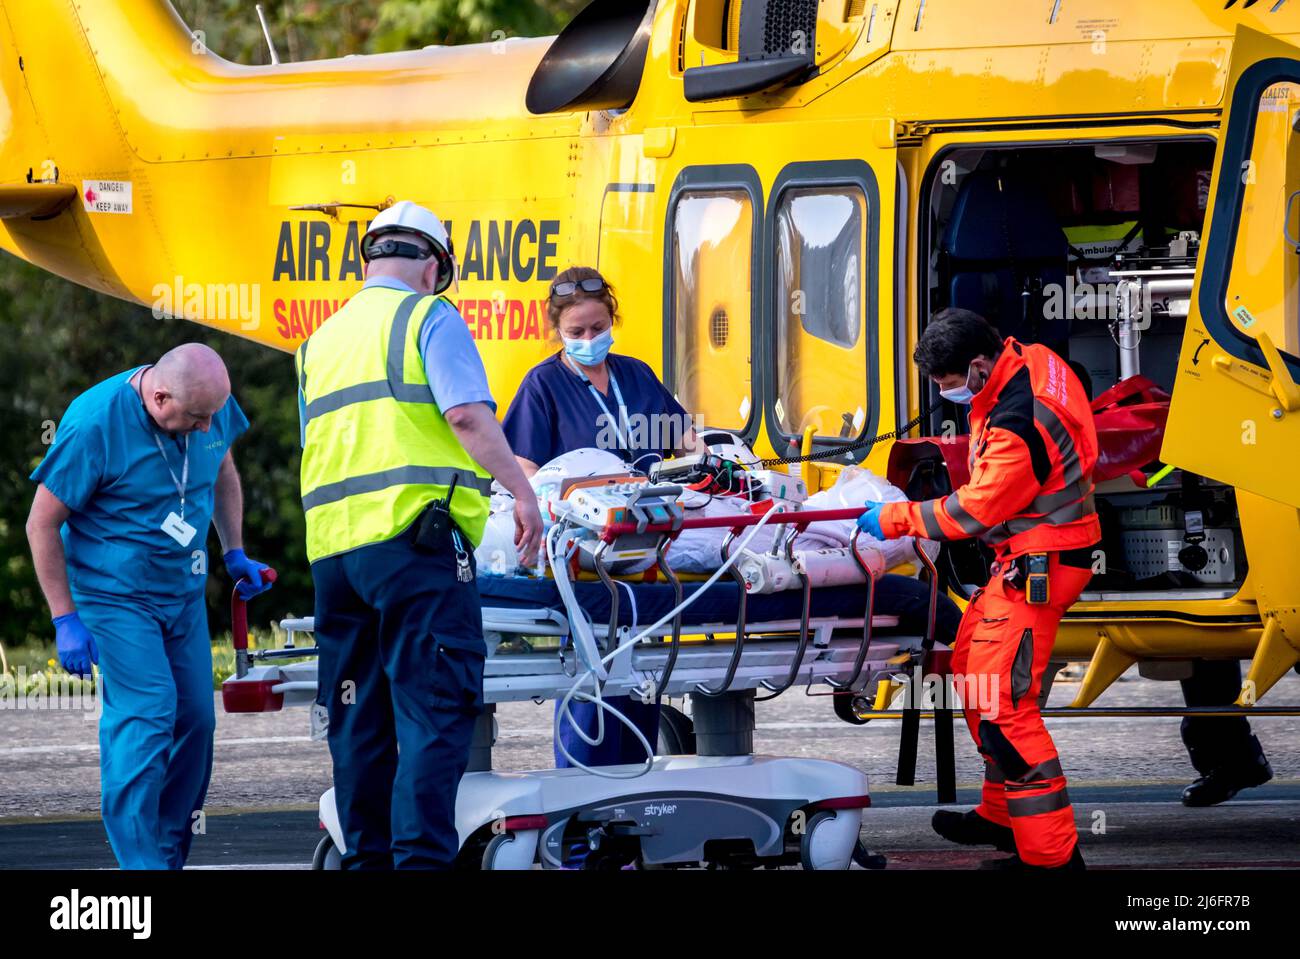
x: 464, y: 572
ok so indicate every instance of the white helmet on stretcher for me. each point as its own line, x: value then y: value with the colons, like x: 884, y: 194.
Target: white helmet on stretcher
x: 404, y: 218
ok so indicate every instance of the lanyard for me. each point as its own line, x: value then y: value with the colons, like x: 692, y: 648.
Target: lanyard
x: 184, y: 481
x: 618, y: 398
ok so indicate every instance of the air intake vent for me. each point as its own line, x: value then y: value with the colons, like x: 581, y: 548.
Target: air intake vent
x: 776, y: 45
x: 788, y: 26
x: 719, y: 328
x: 597, y: 60
x: 854, y: 9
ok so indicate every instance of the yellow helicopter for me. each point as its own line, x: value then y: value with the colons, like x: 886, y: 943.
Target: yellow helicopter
x: 782, y: 191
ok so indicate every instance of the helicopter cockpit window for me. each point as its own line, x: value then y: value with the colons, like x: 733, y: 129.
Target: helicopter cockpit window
x: 821, y: 349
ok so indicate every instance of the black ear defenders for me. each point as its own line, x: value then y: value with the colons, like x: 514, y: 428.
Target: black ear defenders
x: 390, y: 246
x: 383, y: 246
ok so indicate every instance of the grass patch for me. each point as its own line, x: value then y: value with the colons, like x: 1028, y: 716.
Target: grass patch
x: 223, y: 651
x: 35, y: 666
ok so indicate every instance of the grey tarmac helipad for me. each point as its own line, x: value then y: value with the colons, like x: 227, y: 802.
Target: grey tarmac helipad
x: 1125, y: 778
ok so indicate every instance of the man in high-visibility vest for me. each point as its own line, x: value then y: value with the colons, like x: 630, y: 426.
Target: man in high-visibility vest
x: 400, y: 444
x: 1033, y: 446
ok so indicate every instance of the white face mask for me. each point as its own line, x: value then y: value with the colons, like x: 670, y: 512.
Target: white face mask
x: 960, y: 394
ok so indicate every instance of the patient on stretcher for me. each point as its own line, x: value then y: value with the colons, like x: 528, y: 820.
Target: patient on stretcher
x: 821, y: 552
x: 823, y: 546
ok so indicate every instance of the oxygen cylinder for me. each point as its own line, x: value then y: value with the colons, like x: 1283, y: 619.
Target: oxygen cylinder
x: 837, y: 567
x: 765, y: 573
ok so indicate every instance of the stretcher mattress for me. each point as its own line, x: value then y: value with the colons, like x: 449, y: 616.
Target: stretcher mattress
x: 719, y: 604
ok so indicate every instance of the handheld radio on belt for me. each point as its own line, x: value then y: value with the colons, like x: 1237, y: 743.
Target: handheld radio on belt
x: 435, y: 528
x: 1036, y: 578
x: 1029, y: 572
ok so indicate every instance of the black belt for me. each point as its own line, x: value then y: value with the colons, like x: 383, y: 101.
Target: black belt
x: 1081, y: 558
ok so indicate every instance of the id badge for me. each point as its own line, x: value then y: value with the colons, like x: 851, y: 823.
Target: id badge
x: 178, y: 529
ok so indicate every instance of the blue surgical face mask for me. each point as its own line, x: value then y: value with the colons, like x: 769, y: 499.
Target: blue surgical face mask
x: 589, y: 352
x: 960, y: 394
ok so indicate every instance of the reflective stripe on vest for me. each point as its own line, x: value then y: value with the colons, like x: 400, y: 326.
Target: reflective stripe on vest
x: 401, y: 476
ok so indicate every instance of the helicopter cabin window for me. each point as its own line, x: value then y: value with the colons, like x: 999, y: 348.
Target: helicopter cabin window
x: 821, y: 346
x: 1090, y: 249
x: 712, y: 236
x: 1262, y: 279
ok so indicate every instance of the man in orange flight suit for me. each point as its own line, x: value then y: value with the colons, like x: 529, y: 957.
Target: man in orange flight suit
x: 1033, y: 446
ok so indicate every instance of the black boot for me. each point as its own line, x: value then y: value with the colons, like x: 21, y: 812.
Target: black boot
x: 972, y: 829
x: 1221, y: 784
x: 1017, y: 865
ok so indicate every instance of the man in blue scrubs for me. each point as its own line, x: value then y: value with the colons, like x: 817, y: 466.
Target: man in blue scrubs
x: 140, y: 466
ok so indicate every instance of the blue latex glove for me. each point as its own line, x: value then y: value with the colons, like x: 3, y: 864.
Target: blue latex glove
x: 247, y: 574
x: 869, y: 522
x: 77, y: 649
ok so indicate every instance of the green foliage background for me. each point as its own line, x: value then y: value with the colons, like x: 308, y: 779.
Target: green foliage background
x: 59, y: 339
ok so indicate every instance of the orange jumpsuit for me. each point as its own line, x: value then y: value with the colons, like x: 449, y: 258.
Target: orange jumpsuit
x: 1032, y: 451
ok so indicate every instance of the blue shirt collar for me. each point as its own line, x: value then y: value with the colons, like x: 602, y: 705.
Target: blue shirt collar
x: 388, y: 283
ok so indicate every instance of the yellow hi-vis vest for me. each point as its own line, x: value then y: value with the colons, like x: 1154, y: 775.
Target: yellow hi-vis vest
x: 376, y: 448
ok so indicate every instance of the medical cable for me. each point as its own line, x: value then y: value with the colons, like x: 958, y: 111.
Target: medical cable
x: 563, y: 713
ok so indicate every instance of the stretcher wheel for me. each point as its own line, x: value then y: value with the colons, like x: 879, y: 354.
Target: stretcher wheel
x: 828, y: 840
x: 847, y: 706
x: 676, y: 732
x: 510, y: 850
x: 326, y: 855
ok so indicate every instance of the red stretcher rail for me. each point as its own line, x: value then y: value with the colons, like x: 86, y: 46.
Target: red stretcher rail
x: 799, y: 519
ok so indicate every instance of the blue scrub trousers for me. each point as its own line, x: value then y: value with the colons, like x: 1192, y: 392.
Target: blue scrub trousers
x: 155, y: 735
x: 619, y: 745
x: 401, y: 676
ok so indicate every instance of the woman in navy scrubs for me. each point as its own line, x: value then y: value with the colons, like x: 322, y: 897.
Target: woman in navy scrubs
x: 586, y: 396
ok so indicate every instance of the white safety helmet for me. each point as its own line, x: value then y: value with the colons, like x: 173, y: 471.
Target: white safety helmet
x: 384, y: 238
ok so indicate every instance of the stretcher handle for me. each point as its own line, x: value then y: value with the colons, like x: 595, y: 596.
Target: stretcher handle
x: 802, y: 647
x: 865, y: 646
x: 239, y: 611
x: 738, y: 647
x: 799, y: 520
x: 677, y: 620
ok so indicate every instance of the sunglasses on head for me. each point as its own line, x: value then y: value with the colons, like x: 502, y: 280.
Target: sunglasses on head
x: 592, y: 284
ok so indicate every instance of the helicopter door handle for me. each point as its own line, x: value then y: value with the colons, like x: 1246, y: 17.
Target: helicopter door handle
x: 1284, y: 387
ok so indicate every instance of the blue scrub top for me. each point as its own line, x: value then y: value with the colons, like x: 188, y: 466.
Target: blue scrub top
x: 106, y: 468
x: 554, y: 412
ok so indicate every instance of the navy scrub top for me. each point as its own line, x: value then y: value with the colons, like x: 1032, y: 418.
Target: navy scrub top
x: 554, y: 412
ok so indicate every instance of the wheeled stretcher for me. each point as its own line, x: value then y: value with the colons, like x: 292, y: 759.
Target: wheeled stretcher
x: 712, y: 642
